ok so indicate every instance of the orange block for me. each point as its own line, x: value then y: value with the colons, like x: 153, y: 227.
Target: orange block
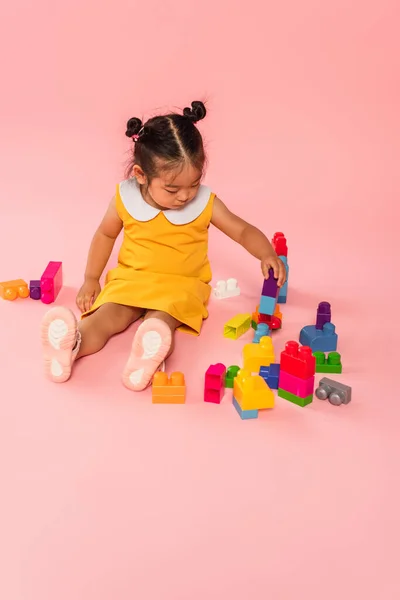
x: 9, y: 290
x: 251, y: 392
x: 168, y: 390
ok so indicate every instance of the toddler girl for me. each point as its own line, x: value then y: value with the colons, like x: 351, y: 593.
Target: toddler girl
x: 163, y: 271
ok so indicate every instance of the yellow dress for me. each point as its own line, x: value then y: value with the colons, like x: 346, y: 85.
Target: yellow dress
x: 163, y: 263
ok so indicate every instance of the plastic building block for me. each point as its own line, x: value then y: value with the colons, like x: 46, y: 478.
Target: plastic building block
x: 337, y: 393
x: 252, y: 392
x: 270, y: 285
x: 244, y: 414
x: 279, y: 244
x: 295, y: 385
x: 258, y: 355
x: 17, y: 288
x: 261, y: 331
x: 226, y: 289
x: 51, y: 282
x: 214, y: 396
x: 319, y: 340
x: 254, y: 324
x: 231, y: 373
x: 168, y: 390
x: 237, y: 326
x: 330, y: 364
x: 273, y: 322
x: 295, y: 399
x: 323, y: 314
x: 267, y: 305
x: 271, y: 375
x: 215, y: 376
x: 297, y: 360
x: 34, y: 289
x: 282, y: 296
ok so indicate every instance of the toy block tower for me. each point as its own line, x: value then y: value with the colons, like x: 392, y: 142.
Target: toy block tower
x: 280, y: 246
x: 297, y: 374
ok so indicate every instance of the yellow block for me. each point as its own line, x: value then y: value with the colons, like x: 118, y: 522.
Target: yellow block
x: 237, y: 326
x: 168, y: 390
x: 258, y: 355
x: 252, y: 392
x: 9, y: 290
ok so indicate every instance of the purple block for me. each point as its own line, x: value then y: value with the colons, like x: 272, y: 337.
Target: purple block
x: 34, y: 289
x: 270, y: 285
x: 323, y: 314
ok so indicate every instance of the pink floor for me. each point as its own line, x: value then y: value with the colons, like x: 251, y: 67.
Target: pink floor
x: 105, y: 496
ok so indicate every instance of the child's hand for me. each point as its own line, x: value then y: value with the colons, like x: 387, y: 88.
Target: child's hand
x: 88, y: 294
x: 275, y: 263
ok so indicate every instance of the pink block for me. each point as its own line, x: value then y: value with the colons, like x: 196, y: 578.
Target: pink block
x: 214, y: 396
x: 51, y: 282
x: 215, y: 377
x: 295, y: 385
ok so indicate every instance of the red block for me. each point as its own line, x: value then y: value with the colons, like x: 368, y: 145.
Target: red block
x: 279, y: 244
x: 298, y: 360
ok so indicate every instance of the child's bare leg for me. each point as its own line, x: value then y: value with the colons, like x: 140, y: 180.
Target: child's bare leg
x: 152, y: 343
x: 106, y: 321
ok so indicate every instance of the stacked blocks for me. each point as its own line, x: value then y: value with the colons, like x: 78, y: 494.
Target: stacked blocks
x: 337, y: 393
x: 296, y: 377
x: 231, y: 373
x: 280, y: 246
x: 226, y: 289
x: 321, y: 337
x: 271, y: 375
x: 258, y: 355
x: 273, y: 321
x: 251, y: 394
x: 237, y: 326
x: 51, y: 282
x: 262, y: 330
x: 168, y: 390
x: 214, y: 387
x: 269, y: 295
x: 17, y: 288
x: 330, y: 364
x: 34, y: 289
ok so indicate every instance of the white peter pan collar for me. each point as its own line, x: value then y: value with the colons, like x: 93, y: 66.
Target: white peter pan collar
x: 141, y: 211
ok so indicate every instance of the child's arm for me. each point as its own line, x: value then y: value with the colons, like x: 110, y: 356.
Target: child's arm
x: 251, y: 238
x: 99, y: 252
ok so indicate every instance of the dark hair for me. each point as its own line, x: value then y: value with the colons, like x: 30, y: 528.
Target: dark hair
x: 172, y: 139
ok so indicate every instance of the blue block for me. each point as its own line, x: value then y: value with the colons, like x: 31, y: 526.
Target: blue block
x: 271, y: 375
x: 267, y: 305
x: 282, y: 296
x: 261, y: 331
x: 319, y: 340
x: 244, y: 414
x: 285, y: 262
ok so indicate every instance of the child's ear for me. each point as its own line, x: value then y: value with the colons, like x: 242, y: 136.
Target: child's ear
x: 140, y: 177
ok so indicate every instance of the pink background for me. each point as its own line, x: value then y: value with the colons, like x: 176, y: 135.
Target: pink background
x: 105, y: 496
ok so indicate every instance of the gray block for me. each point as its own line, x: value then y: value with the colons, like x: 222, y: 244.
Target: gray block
x: 337, y: 393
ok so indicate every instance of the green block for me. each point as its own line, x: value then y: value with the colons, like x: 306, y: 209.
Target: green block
x: 254, y: 325
x: 230, y: 375
x: 330, y: 364
x: 295, y: 399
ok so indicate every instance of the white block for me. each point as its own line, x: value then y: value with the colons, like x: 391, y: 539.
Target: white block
x: 226, y: 289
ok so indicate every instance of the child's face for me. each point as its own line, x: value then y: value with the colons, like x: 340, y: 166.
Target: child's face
x: 172, y: 189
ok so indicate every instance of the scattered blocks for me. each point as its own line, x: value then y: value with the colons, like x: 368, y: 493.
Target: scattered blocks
x: 251, y: 392
x: 214, y: 387
x: 244, y: 414
x: 337, y: 393
x: 261, y: 331
x: 323, y: 314
x: 34, y: 289
x: 270, y: 374
x: 230, y: 375
x: 226, y: 289
x: 258, y: 355
x: 298, y: 360
x: 237, y: 326
x: 330, y: 364
x: 295, y: 399
x: 17, y: 288
x: 279, y: 244
x: 321, y: 340
x: 51, y: 282
x: 168, y: 390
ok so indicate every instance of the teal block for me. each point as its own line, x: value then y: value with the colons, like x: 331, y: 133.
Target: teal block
x: 267, y: 305
x: 244, y: 414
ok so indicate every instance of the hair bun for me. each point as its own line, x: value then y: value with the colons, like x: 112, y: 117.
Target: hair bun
x: 197, y: 112
x: 133, y: 126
